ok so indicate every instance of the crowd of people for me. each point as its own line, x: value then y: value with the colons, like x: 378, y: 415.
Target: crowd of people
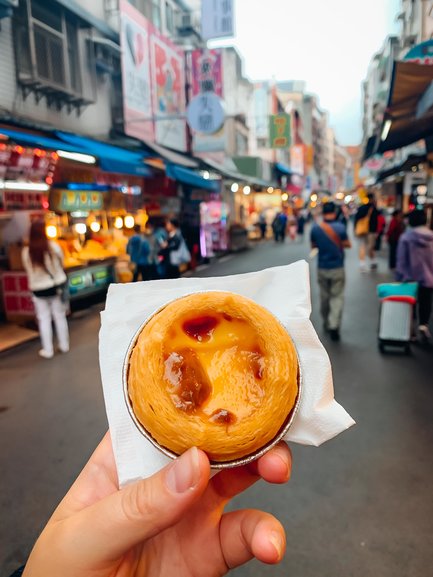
x: 159, y: 252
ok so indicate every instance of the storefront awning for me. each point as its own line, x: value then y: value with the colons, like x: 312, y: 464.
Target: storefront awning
x: 170, y: 155
x: 191, y: 178
x: 111, y: 158
x: 412, y: 160
x: 283, y: 169
x: 39, y: 141
x: 227, y: 172
x: 406, y: 119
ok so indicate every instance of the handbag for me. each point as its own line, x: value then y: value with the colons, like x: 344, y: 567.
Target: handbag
x: 362, y: 227
x: 181, y: 255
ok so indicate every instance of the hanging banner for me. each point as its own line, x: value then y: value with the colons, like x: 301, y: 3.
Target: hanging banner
x: 217, y: 19
x: 207, y: 72
x: 297, y: 161
x: 207, y: 76
x: 168, y: 78
x: 280, y: 131
x: 136, y: 77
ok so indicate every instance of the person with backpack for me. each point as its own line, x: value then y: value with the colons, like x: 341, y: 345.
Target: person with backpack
x: 138, y: 250
x: 330, y: 238
x: 366, y: 229
x: 43, y: 263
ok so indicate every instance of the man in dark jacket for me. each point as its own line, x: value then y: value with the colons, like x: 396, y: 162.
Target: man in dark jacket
x: 367, y: 239
x: 415, y: 263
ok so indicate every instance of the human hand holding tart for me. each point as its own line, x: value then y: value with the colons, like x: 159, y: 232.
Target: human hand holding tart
x: 213, y: 370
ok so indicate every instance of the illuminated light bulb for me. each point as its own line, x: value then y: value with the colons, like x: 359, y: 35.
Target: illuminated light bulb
x: 80, y: 228
x: 235, y: 187
x: 314, y: 198
x: 118, y: 223
x: 285, y: 197
x: 206, y: 175
x: 270, y: 189
x: 247, y: 190
x: 129, y: 221
x: 51, y: 231
x: 95, y: 226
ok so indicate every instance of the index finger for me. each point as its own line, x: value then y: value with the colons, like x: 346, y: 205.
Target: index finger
x: 274, y: 467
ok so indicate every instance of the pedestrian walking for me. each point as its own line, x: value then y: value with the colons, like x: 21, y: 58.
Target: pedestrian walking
x: 415, y: 263
x: 43, y: 263
x: 301, y: 225
x: 395, y: 230
x: 381, y: 226
x: 366, y: 222
x: 174, y: 251
x: 330, y: 238
x: 263, y: 225
x: 133, y: 248
x: 279, y: 226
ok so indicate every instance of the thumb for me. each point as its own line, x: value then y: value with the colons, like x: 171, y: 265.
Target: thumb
x: 108, y: 529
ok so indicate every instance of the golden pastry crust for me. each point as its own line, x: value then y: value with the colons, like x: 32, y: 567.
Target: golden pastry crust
x: 213, y: 370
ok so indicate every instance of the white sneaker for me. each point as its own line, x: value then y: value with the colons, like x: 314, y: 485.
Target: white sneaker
x: 64, y: 350
x: 45, y: 354
x: 424, y: 333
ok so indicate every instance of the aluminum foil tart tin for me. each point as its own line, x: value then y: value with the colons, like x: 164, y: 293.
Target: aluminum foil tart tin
x: 214, y: 465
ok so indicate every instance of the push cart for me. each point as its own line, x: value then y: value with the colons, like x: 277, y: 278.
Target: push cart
x: 397, y: 301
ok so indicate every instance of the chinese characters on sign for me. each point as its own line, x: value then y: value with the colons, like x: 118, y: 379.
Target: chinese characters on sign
x: 207, y: 72
x: 280, y: 131
x: 205, y: 113
x: 217, y: 19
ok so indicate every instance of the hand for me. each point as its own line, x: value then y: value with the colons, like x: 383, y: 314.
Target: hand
x: 171, y: 524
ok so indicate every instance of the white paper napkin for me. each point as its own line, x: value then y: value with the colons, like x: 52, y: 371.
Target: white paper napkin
x: 285, y: 291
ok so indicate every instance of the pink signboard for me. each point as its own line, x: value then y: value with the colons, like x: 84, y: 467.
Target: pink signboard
x: 207, y: 72
x: 168, y: 81
x: 136, y: 73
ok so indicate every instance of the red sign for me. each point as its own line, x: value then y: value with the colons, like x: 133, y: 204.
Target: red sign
x: 207, y: 72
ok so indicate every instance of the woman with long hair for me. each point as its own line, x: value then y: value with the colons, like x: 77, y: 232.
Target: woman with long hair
x: 43, y: 262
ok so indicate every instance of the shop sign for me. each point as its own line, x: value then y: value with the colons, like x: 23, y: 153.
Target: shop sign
x: 27, y: 164
x: 136, y: 77
x: 297, y: 159
x: 205, y: 113
x: 280, y: 131
x: 207, y: 71
x: 168, y: 80
x: 21, y: 200
x: 421, y: 53
x: 217, y: 19
x: 71, y: 200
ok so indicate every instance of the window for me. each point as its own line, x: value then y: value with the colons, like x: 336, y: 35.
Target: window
x: 169, y: 17
x: 156, y: 14
x: 55, y: 65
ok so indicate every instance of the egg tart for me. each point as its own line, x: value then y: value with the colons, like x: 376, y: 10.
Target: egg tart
x: 213, y: 370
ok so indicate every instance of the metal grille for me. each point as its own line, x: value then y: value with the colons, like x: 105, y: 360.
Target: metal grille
x: 50, y: 62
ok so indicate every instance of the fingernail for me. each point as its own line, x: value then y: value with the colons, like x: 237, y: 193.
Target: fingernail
x: 278, y: 542
x: 184, y: 474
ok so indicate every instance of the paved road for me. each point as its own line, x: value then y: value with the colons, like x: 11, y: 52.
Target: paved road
x: 359, y: 506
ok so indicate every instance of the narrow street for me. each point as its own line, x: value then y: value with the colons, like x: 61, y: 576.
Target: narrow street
x: 359, y: 506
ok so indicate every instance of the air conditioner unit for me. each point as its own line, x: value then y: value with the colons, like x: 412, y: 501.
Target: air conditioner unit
x: 185, y: 22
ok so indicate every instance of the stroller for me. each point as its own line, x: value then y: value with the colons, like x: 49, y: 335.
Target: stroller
x: 396, y: 315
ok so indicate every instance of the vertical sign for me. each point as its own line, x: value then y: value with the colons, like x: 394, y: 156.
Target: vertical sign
x: 297, y: 162
x: 207, y: 75
x: 280, y: 131
x: 168, y: 71
x: 136, y: 79
x: 217, y: 19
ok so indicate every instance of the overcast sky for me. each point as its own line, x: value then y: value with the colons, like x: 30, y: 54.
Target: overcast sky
x: 328, y: 43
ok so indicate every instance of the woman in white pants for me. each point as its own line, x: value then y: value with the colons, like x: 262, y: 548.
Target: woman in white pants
x: 43, y: 262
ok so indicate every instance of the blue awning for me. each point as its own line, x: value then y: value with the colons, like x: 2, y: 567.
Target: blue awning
x: 283, y: 169
x: 39, y: 141
x: 191, y: 178
x: 111, y: 158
